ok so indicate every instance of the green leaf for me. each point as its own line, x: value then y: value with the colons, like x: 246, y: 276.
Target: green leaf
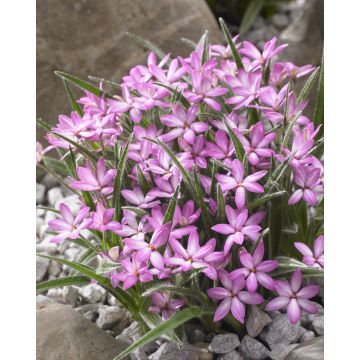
x: 305, y: 92
x: 260, y: 238
x: 65, y: 281
x: 221, y: 216
x: 176, y: 320
x: 84, y: 85
x: 145, y: 186
x: 318, y: 117
x: 56, y: 166
x: 184, y: 291
x: 137, y: 211
x: 83, y: 258
x: 251, y: 12
x: 266, y: 198
x: 214, y: 171
x: 152, y: 320
x: 204, y: 44
x: 177, y: 95
x: 199, y: 200
x: 74, y: 105
x: 169, y: 215
x: 116, y: 201
x: 239, y: 150
x: 87, y: 153
x: 229, y: 40
x: 120, y: 295
x: 188, y: 42
x: 288, y: 265
x: 147, y: 45
x: 43, y: 124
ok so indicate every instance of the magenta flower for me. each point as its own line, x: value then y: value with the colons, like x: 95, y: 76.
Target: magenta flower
x: 132, y: 228
x: 246, y: 86
x: 233, y: 297
x: 89, y: 181
x: 184, y: 218
x: 73, y: 126
x: 102, y: 219
x: 101, y: 127
x: 237, y: 228
x: 165, y: 188
x: 270, y: 50
x: 294, y: 298
x: 183, y: 122
x: 161, y: 164
x: 237, y: 181
x: 136, y: 197
x: 173, y: 74
x: 316, y: 258
x: 195, y: 257
x: 164, y: 305
x: 69, y: 227
x: 40, y: 152
x: 146, y: 251
x: 222, y: 149
x: 255, y: 270
x: 309, y: 180
x: 193, y: 153
x: 258, y: 145
x: 134, y: 271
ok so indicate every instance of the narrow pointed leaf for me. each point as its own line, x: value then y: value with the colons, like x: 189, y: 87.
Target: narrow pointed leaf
x: 65, y: 281
x: 319, y: 107
x: 74, y: 105
x: 137, y: 211
x: 147, y: 45
x: 239, y: 149
x: 169, y: 215
x: 229, y: 40
x: 176, y: 320
x: 305, y: 92
x: 266, y: 198
x: 56, y: 166
x: 84, y: 85
x: 221, y: 216
x: 251, y: 12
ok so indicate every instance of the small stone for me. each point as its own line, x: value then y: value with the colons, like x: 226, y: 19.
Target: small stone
x: 40, y: 212
x: 150, y: 347
x: 307, y: 319
x: 54, y: 268
x: 233, y: 355
x: 251, y: 349
x: 132, y: 332
x: 224, y: 343
x: 72, y: 253
x: 90, y: 315
x: 308, y: 335
x: 281, y: 21
x: 39, y: 223
x: 279, y: 352
x: 93, y: 293
x: 203, y: 352
x: 72, y: 201
x: 46, y: 246
x: 109, y: 316
x: 196, y: 335
x: 40, y: 193
x: 41, y: 268
x: 256, y: 321
x: 82, y: 309
x: 138, y: 354
x: 111, y: 300
x: 56, y: 295
x: 49, y: 181
x: 173, y: 351
x: 318, y: 325
x: 281, y: 331
x: 70, y: 295
x: 308, y: 350
x: 54, y: 195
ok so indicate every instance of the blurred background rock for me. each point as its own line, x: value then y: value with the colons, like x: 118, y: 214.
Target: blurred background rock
x: 88, y: 37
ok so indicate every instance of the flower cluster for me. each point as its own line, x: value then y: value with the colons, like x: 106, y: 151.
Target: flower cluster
x: 186, y: 159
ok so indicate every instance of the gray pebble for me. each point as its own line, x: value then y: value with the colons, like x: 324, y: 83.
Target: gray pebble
x: 93, y: 293
x: 70, y: 295
x: 49, y: 181
x: 132, y: 332
x: 318, y: 325
x: 281, y: 21
x: 91, y: 316
x: 196, y: 335
x: 40, y: 193
x: 251, y: 349
x: 54, y: 268
x: 308, y: 335
x: 41, y: 268
x: 224, y: 343
x: 307, y: 319
x: 233, y: 355
x: 55, y: 194
x: 256, y: 320
x: 280, y: 351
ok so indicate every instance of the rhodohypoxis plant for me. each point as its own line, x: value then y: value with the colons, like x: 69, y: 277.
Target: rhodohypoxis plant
x: 201, y: 184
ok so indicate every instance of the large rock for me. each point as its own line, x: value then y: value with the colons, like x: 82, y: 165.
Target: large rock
x: 62, y: 333
x: 88, y: 37
x: 308, y: 350
x: 305, y: 35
